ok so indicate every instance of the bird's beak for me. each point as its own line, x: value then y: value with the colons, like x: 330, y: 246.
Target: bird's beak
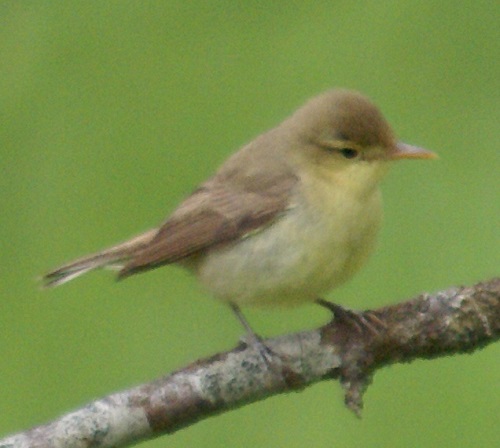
x: 405, y: 151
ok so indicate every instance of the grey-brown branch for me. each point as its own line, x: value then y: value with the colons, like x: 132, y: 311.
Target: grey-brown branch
x: 457, y: 320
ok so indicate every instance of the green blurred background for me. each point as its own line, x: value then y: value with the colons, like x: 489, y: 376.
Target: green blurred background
x: 113, y: 111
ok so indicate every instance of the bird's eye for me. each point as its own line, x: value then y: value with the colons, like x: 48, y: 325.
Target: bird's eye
x: 348, y: 153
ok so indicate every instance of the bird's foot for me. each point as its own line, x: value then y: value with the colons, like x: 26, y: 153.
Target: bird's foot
x: 362, y: 320
x: 252, y: 339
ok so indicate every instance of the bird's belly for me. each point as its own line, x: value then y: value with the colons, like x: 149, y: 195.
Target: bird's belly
x: 293, y: 260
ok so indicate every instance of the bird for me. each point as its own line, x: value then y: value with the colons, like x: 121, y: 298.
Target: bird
x: 285, y: 219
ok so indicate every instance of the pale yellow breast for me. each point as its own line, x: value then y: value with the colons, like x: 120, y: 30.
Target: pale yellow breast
x: 319, y: 243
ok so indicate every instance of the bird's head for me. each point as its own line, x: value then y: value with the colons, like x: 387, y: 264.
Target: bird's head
x: 345, y: 134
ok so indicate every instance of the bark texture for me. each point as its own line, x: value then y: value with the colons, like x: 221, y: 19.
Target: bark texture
x: 349, y: 348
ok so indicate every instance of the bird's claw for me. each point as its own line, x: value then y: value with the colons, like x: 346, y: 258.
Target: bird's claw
x: 361, y: 320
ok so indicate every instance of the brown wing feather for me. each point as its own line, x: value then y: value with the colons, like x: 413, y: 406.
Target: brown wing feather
x: 212, y: 215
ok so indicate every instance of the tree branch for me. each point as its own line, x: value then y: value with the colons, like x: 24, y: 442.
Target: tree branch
x: 350, y: 348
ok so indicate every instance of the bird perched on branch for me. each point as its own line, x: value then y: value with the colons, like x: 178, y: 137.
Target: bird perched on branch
x: 289, y: 216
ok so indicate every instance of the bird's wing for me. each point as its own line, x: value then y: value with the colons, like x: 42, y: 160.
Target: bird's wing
x: 216, y: 213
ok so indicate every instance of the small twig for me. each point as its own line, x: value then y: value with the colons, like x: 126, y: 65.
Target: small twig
x: 454, y: 321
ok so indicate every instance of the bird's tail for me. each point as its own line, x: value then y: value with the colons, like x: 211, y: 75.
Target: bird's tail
x: 111, y: 258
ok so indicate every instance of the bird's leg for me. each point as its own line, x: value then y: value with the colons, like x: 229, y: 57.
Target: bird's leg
x: 253, y: 338
x: 361, y: 320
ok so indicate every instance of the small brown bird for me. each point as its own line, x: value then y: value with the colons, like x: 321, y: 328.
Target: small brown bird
x: 288, y: 217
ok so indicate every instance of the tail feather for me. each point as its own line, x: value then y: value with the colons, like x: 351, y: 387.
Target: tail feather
x: 76, y: 268
x: 112, y: 258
